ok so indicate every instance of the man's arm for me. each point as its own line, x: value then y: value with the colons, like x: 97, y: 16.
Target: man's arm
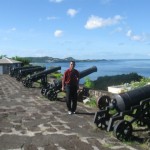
x: 78, y: 79
x: 63, y: 82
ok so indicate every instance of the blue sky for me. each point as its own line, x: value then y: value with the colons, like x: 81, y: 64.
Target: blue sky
x: 82, y: 29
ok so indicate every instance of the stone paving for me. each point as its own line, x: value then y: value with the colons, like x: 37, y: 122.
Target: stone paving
x: 28, y: 121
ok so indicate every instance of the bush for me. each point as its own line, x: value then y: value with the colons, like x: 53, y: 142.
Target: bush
x: 88, y: 83
x: 141, y: 83
x: 92, y: 102
x: 56, y: 75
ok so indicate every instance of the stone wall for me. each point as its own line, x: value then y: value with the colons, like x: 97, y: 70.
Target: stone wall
x: 99, y: 93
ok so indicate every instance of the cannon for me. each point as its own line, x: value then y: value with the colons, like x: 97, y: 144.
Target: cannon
x: 39, y: 76
x: 24, y: 72
x: 52, y: 90
x: 120, y: 112
x: 14, y: 71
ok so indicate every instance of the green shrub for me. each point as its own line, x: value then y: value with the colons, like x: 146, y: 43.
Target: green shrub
x: 102, y: 83
x: 56, y: 75
x: 88, y: 83
x: 92, y: 102
x: 141, y: 83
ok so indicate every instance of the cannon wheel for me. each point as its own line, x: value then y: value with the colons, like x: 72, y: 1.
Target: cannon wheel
x: 29, y: 84
x: 43, y: 91
x: 123, y: 130
x: 51, y: 95
x: 80, y: 96
x: 103, y: 102
x: 145, y: 115
x: 23, y: 81
x: 100, y: 119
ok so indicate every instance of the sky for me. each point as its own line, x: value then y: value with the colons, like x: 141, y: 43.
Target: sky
x: 82, y: 29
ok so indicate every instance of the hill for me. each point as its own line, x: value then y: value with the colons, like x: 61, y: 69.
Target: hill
x: 47, y: 59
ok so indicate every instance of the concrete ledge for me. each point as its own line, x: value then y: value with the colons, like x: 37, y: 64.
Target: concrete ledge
x: 119, y: 89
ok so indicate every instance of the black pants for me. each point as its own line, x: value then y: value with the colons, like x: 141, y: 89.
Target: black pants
x: 71, y: 97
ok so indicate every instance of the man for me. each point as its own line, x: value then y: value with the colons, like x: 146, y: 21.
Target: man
x: 70, y: 83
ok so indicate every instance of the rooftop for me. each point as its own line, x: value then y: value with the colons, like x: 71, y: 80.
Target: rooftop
x: 6, y: 60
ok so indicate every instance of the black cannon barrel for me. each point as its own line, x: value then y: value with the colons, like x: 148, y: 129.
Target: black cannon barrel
x: 43, y: 73
x: 22, y: 68
x: 125, y: 101
x: 88, y: 71
x: 26, y: 71
x: 14, y: 71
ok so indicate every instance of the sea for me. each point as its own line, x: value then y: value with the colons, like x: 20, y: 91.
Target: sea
x: 108, y: 67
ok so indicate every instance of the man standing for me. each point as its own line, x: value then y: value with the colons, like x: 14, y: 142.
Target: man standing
x: 70, y: 83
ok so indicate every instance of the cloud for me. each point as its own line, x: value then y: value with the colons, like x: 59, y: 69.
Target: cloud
x: 98, y: 22
x: 56, y: 1
x: 58, y: 33
x: 51, y: 18
x: 72, y: 12
x: 134, y: 37
x: 117, y: 30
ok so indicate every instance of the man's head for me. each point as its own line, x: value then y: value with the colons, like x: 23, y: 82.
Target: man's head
x: 72, y: 64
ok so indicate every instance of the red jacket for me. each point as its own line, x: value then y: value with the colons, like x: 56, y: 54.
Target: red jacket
x: 71, y: 77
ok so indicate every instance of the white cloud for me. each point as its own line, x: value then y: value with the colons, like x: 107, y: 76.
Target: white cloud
x: 56, y: 1
x: 133, y: 36
x: 118, y: 29
x: 58, y: 33
x: 129, y: 32
x: 51, y: 18
x: 98, y: 22
x: 72, y: 12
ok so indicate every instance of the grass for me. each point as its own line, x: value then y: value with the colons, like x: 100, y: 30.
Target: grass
x: 56, y: 75
x: 92, y: 102
x: 61, y: 95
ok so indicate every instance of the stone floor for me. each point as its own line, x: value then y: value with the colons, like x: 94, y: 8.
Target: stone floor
x: 28, y: 121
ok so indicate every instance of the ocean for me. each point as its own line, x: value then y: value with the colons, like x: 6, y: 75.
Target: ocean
x: 109, y: 67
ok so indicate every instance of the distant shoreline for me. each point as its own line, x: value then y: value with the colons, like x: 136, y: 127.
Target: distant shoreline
x: 47, y: 59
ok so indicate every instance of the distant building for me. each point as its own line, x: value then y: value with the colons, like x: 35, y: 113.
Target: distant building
x: 6, y: 63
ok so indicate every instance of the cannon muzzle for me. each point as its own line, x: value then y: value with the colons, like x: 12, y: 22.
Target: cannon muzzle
x: 88, y: 71
x: 125, y: 101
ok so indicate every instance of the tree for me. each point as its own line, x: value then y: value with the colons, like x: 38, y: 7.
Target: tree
x: 1, y: 56
x: 25, y: 61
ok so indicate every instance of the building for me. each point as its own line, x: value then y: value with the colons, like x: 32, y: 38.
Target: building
x: 6, y: 63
